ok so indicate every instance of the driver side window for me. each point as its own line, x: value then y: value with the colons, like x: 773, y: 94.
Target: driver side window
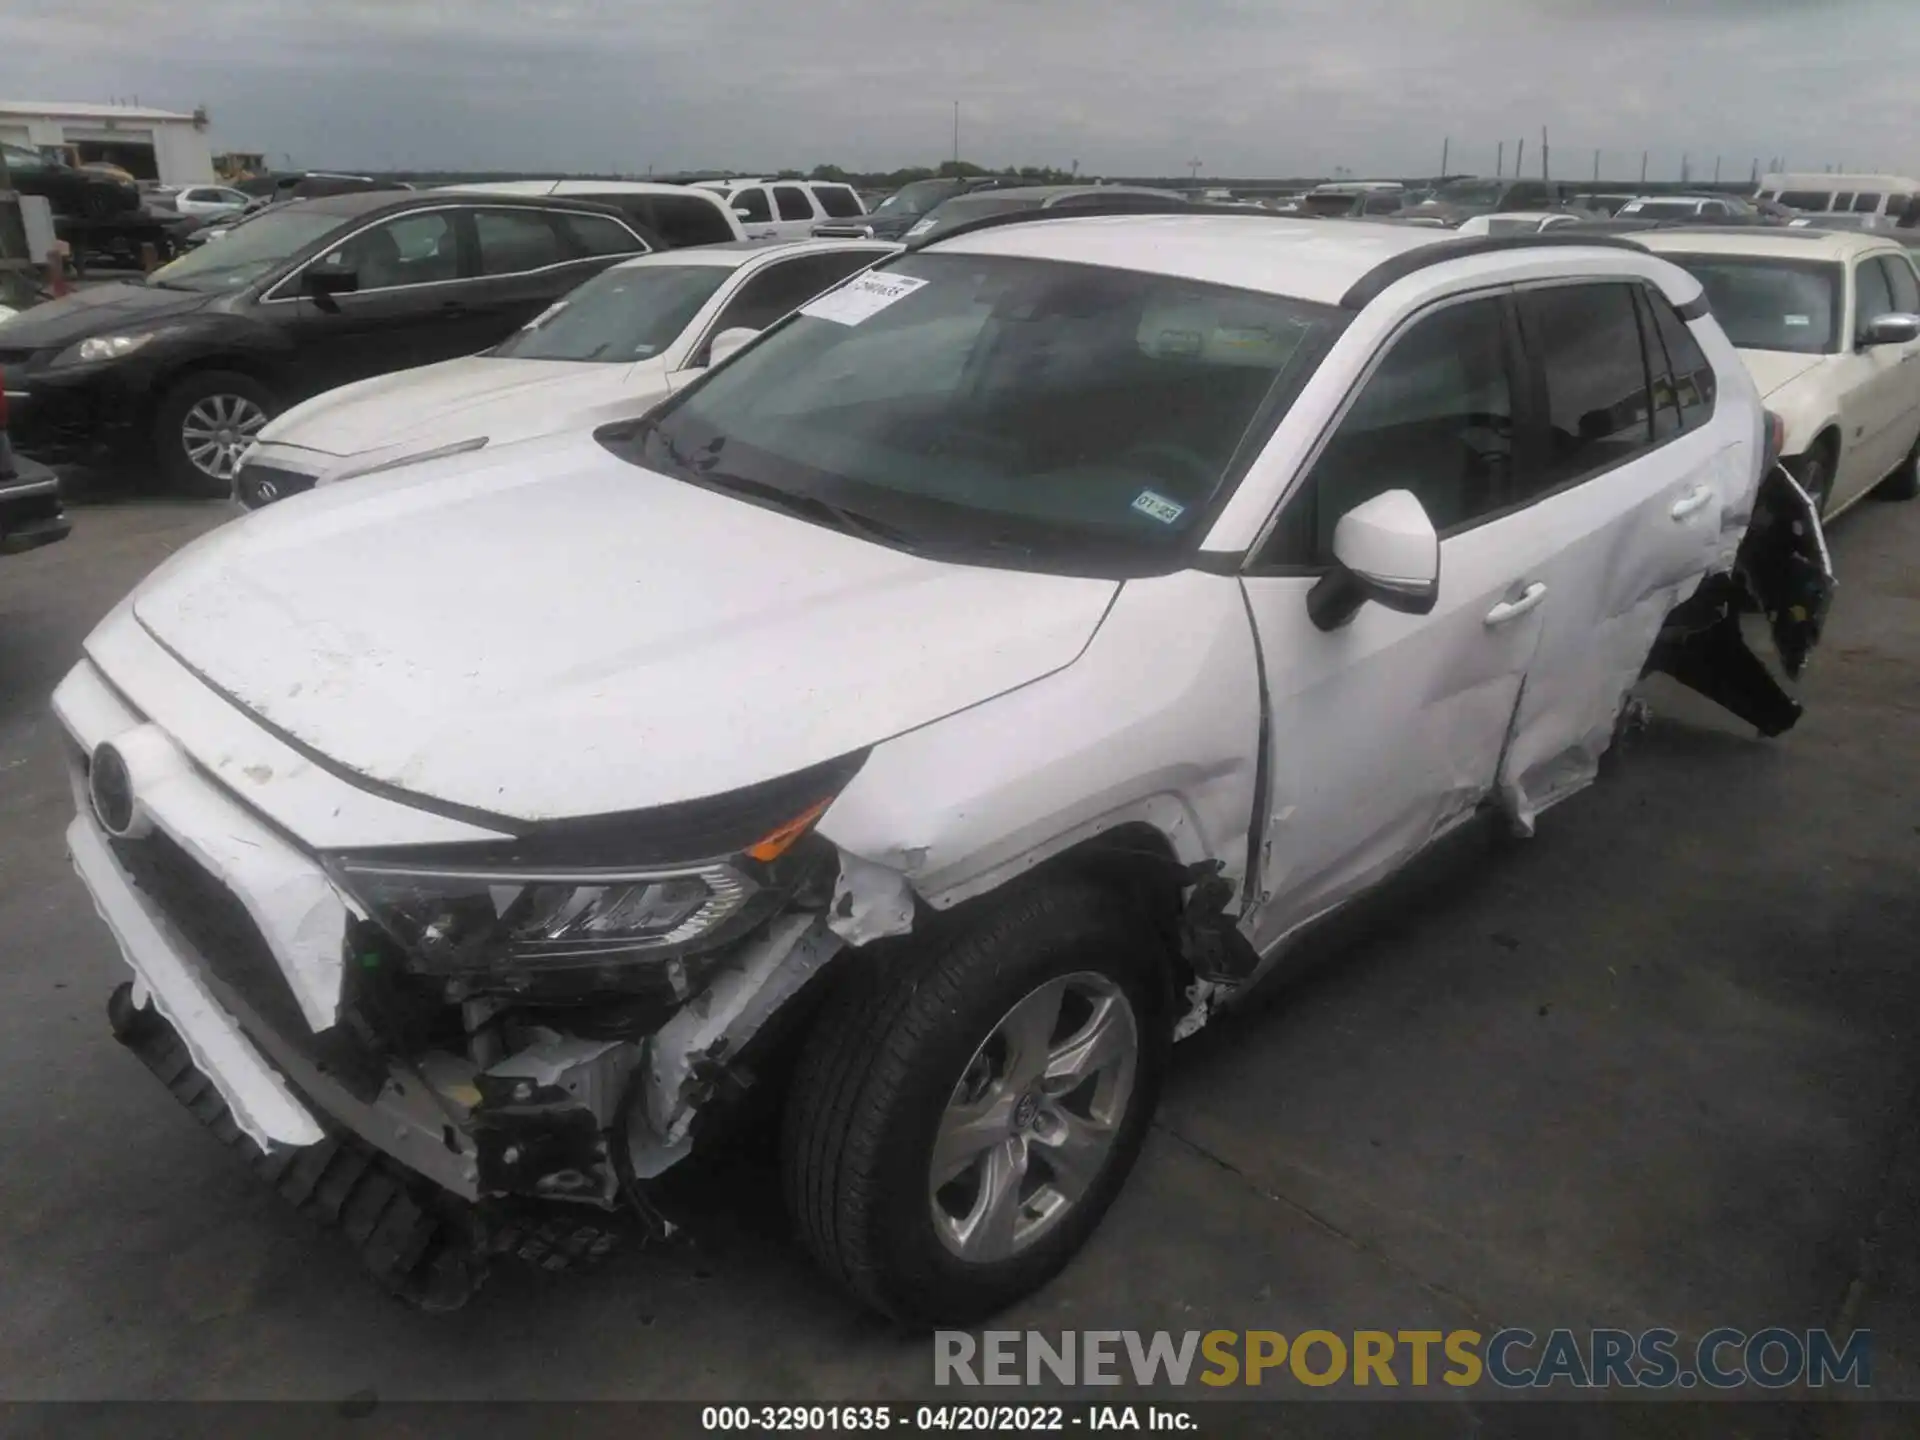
x: 1436, y: 417
x: 753, y: 200
x: 410, y: 250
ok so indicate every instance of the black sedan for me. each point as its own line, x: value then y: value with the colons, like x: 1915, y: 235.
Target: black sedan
x: 92, y: 193
x: 184, y: 368
x: 30, y: 511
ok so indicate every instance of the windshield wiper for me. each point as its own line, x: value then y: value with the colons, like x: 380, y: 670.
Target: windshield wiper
x: 812, y: 507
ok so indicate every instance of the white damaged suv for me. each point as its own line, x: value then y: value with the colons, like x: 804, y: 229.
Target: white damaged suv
x: 920, y: 721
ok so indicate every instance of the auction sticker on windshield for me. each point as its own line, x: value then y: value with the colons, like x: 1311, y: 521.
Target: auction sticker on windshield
x: 1158, y: 506
x: 862, y: 298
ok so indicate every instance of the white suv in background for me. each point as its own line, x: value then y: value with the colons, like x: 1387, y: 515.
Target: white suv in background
x: 922, y: 719
x: 1829, y: 326
x: 786, y: 209
x: 607, y: 351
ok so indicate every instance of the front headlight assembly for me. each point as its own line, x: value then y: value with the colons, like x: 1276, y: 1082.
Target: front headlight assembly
x: 101, y: 347
x: 550, y: 913
x: 455, y: 922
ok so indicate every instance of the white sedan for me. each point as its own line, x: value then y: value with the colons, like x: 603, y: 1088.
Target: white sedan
x: 608, y: 351
x: 1829, y: 326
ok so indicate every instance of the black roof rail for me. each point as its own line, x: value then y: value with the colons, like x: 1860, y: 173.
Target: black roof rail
x: 1142, y: 205
x: 1411, y: 262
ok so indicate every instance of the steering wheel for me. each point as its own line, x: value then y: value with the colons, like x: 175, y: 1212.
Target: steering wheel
x: 1171, y: 462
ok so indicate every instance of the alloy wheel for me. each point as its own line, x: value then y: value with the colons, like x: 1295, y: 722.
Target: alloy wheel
x: 217, y: 431
x: 1032, y: 1121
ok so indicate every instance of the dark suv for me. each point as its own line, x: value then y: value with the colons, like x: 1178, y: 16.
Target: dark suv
x: 187, y: 366
x: 30, y: 510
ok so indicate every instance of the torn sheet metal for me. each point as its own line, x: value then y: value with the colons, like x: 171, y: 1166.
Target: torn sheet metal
x: 540, y: 1125
x: 713, y: 1027
x: 870, y: 902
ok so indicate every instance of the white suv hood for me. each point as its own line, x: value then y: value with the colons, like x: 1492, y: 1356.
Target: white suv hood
x: 502, y: 398
x: 544, y: 630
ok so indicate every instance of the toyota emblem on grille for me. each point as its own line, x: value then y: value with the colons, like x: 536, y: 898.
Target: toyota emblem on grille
x: 111, y: 789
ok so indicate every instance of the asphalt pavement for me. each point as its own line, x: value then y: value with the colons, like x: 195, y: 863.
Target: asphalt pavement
x: 1654, y: 1067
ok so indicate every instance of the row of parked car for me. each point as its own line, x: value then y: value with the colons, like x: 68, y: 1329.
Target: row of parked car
x: 888, y: 687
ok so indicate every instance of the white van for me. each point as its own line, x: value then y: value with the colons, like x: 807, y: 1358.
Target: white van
x: 1888, y: 195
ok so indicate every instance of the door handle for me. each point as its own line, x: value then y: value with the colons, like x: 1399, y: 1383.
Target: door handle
x: 1695, y: 499
x: 1513, y: 609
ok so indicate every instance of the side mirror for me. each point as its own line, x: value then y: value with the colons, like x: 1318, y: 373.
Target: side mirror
x: 1385, y: 550
x: 742, y: 212
x: 1897, y: 328
x: 728, y: 341
x: 322, y: 281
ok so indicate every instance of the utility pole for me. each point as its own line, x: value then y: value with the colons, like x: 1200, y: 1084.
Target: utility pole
x: 1643, y: 169
x: 1500, y: 162
x: 1716, y: 169
x: 1520, y: 158
x: 1544, y: 175
x: 956, y: 134
x: 1446, y: 143
x: 1596, y: 167
x: 1685, y: 167
x: 1193, y: 169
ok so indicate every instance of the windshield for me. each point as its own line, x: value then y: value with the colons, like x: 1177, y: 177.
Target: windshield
x: 1791, y: 305
x: 1471, y: 192
x: 247, y: 252
x: 915, y: 199
x: 621, y: 315
x: 993, y: 407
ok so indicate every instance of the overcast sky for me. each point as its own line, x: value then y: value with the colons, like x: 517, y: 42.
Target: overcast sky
x: 1249, y: 87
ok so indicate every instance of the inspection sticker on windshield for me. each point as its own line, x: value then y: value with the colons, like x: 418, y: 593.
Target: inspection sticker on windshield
x: 861, y: 298
x: 1797, y: 319
x: 1158, y: 506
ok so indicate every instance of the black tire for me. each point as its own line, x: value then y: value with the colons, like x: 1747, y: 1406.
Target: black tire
x: 1904, y: 483
x: 883, y: 1059
x: 1814, y: 471
x: 177, y: 473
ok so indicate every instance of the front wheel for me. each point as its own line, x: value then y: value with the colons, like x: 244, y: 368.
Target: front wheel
x: 203, y: 426
x: 968, y: 1105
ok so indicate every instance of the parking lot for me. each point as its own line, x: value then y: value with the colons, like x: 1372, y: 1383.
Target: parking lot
x: 1654, y: 1068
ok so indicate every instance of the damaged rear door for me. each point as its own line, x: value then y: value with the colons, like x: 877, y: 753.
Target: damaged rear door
x: 1630, y: 484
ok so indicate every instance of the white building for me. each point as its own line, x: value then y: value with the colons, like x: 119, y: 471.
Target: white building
x: 162, y: 145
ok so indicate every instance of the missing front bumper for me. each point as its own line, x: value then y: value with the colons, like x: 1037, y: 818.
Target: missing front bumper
x: 424, y: 1244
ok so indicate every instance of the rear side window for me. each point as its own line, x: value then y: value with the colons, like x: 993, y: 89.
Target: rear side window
x: 1805, y: 199
x: 837, y: 200
x: 1866, y: 204
x: 1901, y: 283
x: 597, y: 235
x: 1681, y: 380
x: 1587, y: 342
x: 1694, y: 383
x: 515, y: 241
x: 1435, y: 417
x: 687, y: 220
x: 753, y: 201
x: 793, y: 202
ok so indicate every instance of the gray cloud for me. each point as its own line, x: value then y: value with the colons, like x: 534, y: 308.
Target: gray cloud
x: 1124, y: 86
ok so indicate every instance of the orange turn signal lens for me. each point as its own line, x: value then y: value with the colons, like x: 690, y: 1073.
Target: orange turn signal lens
x: 777, y: 842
